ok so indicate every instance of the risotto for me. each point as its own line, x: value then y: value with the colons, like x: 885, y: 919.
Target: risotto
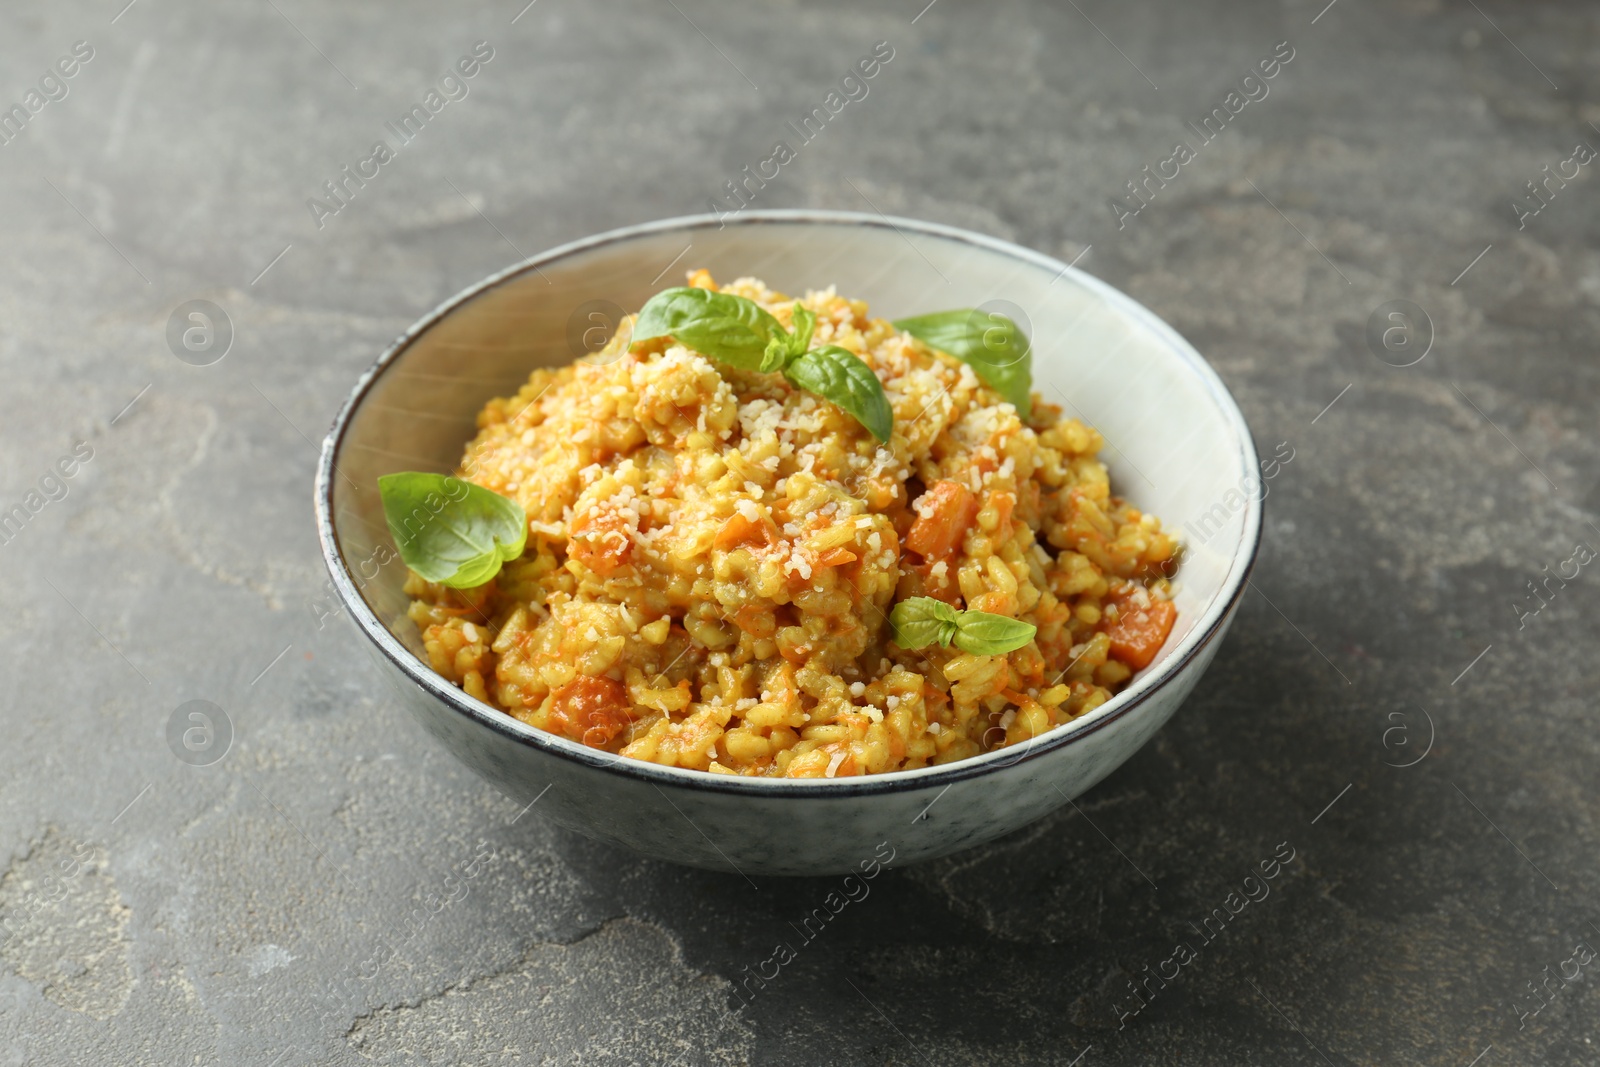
x: 713, y: 555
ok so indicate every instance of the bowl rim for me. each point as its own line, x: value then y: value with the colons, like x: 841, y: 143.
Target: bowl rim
x: 1118, y: 707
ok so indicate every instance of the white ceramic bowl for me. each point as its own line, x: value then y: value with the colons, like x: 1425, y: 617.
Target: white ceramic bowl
x: 1176, y: 445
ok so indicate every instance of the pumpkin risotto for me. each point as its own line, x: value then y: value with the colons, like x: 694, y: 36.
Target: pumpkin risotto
x: 713, y: 555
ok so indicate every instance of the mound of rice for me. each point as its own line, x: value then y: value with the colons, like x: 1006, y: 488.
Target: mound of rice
x: 712, y: 557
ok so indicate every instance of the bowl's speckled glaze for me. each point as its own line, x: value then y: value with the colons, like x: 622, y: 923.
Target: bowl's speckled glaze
x: 1176, y: 445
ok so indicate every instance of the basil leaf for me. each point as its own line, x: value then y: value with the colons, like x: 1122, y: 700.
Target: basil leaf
x: 985, y: 634
x: 805, y: 323
x: 996, y: 349
x: 840, y: 376
x: 449, y: 530
x: 720, y: 325
x: 920, y: 621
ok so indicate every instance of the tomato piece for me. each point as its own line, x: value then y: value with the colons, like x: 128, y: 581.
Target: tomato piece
x: 944, y: 514
x: 591, y: 710
x: 1139, y: 632
x: 601, y: 541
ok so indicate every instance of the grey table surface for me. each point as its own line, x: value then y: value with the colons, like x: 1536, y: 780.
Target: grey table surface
x: 160, y: 912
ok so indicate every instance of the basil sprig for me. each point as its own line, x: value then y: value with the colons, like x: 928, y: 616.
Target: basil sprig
x: 921, y: 621
x: 451, y: 531
x: 996, y: 349
x: 742, y: 334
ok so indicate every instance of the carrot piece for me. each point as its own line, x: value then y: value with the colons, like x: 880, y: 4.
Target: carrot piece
x: 739, y: 530
x: 600, y: 542
x: 591, y: 710
x: 1139, y: 632
x: 836, y: 557
x: 944, y: 513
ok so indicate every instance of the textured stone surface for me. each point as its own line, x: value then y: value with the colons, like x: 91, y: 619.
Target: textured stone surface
x: 336, y: 890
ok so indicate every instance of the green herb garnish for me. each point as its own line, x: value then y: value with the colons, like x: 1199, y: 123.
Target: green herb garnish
x: 921, y: 621
x: 451, y: 531
x: 737, y: 331
x: 838, y: 374
x: 742, y: 334
x: 996, y: 349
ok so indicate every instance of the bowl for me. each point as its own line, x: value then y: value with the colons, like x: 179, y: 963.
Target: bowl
x: 1177, y: 446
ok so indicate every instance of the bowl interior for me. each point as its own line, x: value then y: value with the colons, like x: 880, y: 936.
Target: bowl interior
x: 1176, y: 444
